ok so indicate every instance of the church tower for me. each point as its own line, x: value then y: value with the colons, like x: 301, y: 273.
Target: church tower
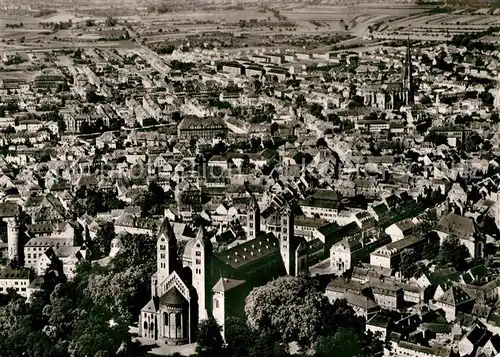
x: 286, y: 238
x: 253, y: 218
x: 166, y: 250
x: 408, y: 75
x: 201, y: 270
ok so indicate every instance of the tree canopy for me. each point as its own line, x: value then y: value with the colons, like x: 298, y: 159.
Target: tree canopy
x: 295, y: 309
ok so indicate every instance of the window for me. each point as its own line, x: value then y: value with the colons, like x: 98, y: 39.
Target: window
x: 198, y: 253
x: 198, y: 261
x: 23, y: 289
x: 284, y: 230
x: 251, y: 225
x: 162, y: 247
x: 162, y: 256
x: 251, y: 216
x: 165, y: 318
x: 216, y: 303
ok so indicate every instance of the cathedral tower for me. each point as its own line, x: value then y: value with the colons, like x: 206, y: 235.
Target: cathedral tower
x: 253, y: 218
x: 201, y: 270
x: 166, y: 252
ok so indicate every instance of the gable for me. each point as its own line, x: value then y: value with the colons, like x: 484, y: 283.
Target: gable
x: 174, y: 280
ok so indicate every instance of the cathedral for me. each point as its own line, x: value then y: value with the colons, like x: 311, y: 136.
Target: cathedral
x: 187, y: 289
x: 391, y: 96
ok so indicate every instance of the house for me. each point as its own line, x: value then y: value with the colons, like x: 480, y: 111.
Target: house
x: 389, y: 255
x: 409, y: 349
x: 492, y: 347
x: 378, y: 324
x: 401, y: 229
x: 16, y: 279
x: 362, y: 305
x: 338, y: 289
x: 473, y: 340
x: 465, y: 229
x: 453, y: 301
x: 387, y: 294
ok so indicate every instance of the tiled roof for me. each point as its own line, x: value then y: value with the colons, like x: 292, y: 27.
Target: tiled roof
x: 454, y: 296
x: 225, y: 284
x: 463, y: 227
x: 251, y: 251
x: 9, y: 209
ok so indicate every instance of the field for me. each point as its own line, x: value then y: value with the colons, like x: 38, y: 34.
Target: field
x: 252, y: 23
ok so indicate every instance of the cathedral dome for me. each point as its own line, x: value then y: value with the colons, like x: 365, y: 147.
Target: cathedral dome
x: 172, y: 297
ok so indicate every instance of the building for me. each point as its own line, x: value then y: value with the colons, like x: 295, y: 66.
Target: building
x: 465, y: 229
x: 16, y: 279
x: 279, y: 219
x: 342, y: 255
x: 201, y: 283
x: 404, y: 348
x: 9, y: 213
x: 453, y: 301
x: 203, y: 128
x: 387, y: 294
x: 389, y: 255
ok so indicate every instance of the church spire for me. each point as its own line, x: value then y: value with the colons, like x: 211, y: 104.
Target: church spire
x: 408, y: 73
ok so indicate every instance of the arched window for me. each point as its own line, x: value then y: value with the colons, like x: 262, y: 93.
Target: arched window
x: 165, y: 318
x: 145, y: 325
x: 216, y: 303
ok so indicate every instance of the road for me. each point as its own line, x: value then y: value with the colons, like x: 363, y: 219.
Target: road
x: 128, y: 129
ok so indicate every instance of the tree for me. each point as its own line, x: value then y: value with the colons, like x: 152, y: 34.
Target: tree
x: 407, y: 265
x: 452, y: 252
x: 437, y: 138
x: 239, y: 337
x: 153, y: 200
x: 104, y: 236
x: 431, y: 249
x: 426, y: 60
x: 293, y: 308
x: 110, y: 22
x: 345, y: 343
x: 349, y: 343
x: 245, y: 164
x: 300, y: 101
x: 209, y: 338
x: 316, y: 110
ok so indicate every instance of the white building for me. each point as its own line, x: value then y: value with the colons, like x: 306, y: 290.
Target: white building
x: 16, y: 279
